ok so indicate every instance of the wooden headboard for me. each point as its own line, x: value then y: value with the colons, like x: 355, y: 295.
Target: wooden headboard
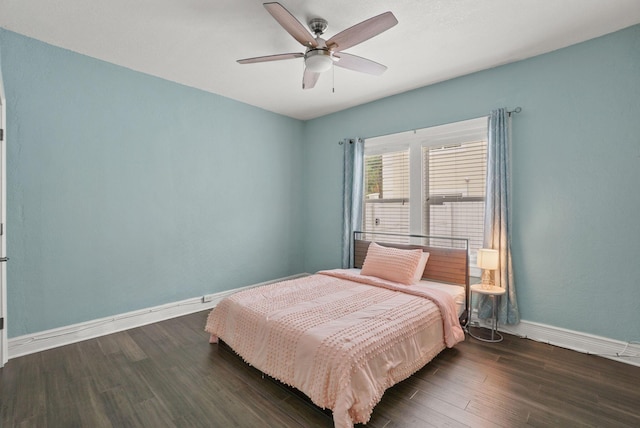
x: 445, y: 264
x: 449, y: 265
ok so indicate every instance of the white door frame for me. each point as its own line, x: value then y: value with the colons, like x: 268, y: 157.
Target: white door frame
x: 4, y: 355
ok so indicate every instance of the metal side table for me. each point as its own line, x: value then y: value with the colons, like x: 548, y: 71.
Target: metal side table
x: 481, y: 333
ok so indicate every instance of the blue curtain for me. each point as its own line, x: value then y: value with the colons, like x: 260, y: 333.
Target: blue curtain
x: 497, y: 215
x: 352, y: 195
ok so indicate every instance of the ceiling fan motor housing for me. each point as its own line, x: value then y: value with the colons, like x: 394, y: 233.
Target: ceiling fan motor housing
x: 318, y: 26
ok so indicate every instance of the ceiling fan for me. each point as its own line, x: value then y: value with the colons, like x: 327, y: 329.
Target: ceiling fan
x: 321, y: 54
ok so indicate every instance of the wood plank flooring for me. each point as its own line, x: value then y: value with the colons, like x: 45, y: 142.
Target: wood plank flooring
x: 168, y: 375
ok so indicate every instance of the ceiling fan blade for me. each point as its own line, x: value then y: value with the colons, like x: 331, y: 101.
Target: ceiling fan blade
x: 357, y: 63
x: 291, y: 24
x: 362, y: 31
x: 309, y: 79
x: 271, y: 58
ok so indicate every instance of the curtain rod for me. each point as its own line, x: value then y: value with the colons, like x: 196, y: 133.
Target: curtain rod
x: 351, y: 141
x: 509, y: 112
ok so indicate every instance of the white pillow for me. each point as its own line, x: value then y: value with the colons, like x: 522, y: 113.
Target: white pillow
x: 420, y: 269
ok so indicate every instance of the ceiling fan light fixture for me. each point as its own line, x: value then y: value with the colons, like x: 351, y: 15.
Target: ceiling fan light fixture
x: 318, y: 60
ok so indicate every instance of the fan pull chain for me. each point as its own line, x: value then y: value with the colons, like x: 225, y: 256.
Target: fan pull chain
x: 333, y: 78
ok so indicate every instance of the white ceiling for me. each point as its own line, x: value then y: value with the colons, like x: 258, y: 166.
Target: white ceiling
x: 197, y: 42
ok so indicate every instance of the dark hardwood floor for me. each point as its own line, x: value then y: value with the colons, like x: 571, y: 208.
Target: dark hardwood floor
x: 168, y: 375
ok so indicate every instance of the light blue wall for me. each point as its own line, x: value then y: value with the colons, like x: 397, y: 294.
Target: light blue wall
x: 126, y: 191
x: 576, y: 176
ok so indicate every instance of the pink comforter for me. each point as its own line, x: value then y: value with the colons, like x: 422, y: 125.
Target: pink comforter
x: 335, y: 337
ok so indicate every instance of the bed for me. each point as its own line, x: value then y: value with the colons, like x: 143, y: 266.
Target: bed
x: 344, y: 336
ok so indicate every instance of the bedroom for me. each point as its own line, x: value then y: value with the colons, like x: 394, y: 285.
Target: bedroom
x: 123, y: 187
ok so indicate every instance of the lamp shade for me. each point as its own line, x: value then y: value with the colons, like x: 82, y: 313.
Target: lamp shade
x: 487, y: 259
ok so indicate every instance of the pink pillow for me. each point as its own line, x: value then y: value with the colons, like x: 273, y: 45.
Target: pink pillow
x: 392, y: 264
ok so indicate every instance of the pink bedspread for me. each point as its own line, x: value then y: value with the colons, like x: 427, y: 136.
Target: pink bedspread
x: 335, y: 337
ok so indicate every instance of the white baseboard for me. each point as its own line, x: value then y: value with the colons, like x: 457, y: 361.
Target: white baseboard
x: 577, y: 341
x: 31, y: 343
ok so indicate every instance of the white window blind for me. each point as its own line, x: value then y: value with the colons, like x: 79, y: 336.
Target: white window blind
x: 386, y: 200
x: 454, y: 191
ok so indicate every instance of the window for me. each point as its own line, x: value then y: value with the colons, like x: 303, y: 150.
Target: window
x: 386, y: 199
x: 429, y: 182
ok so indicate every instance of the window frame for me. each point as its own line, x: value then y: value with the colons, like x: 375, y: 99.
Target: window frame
x: 415, y: 140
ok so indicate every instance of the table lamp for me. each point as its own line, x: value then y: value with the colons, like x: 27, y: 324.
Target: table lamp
x: 487, y: 261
